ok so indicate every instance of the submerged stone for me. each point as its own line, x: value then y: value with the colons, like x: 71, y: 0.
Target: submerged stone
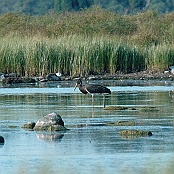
x: 148, y: 109
x: 130, y: 134
x: 12, y: 126
x: 121, y: 123
x: 116, y: 108
x: 29, y: 125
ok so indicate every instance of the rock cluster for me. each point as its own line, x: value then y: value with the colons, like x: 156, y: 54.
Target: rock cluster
x: 50, y: 122
x: 142, y: 75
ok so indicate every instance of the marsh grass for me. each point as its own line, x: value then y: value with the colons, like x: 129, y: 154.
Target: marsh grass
x: 91, y: 41
x: 73, y: 56
x: 160, y: 57
x: 80, y: 56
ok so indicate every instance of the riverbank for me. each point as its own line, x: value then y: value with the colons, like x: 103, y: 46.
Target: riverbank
x: 143, y: 75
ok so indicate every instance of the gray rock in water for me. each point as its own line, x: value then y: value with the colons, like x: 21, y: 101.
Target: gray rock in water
x: 50, y: 122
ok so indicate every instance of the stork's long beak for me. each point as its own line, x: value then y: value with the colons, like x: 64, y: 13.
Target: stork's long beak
x: 75, y: 86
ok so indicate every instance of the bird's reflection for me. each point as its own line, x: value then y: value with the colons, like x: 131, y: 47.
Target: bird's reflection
x: 1, y: 145
x: 171, y: 95
x: 50, y: 137
x: 92, y: 111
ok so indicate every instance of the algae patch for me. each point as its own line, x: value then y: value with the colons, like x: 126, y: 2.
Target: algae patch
x: 119, y: 108
x: 121, y: 123
x: 149, y: 109
x: 132, y: 134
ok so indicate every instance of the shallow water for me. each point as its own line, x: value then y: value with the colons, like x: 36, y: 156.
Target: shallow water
x: 89, y: 146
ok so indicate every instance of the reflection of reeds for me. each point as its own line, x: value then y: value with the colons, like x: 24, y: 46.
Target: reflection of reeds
x: 79, y: 56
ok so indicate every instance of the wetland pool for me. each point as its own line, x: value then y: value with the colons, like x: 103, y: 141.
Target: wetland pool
x: 89, y: 146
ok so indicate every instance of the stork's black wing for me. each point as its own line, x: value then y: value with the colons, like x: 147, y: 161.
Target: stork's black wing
x: 97, y: 89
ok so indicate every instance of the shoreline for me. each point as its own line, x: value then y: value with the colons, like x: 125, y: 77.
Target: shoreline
x: 143, y: 75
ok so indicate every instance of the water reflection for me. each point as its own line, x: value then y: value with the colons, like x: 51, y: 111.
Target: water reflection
x: 50, y: 137
x: 1, y: 145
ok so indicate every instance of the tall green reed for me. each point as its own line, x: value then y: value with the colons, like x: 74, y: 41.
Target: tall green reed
x: 160, y: 57
x: 80, y: 56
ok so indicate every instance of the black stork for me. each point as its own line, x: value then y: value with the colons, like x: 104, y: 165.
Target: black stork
x: 92, y: 89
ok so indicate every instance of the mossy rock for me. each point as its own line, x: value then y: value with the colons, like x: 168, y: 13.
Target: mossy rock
x: 130, y: 134
x: 119, y: 108
x: 29, y: 125
x: 116, y: 108
x: 12, y: 126
x: 50, y: 128
x: 121, y: 123
x: 149, y: 109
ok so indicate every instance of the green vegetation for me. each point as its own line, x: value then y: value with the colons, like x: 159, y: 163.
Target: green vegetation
x: 86, y: 42
x: 71, y: 55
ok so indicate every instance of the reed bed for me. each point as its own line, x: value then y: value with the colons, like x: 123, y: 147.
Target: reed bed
x: 80, y: 56
x: 160, y: 57
x: 104, y: 42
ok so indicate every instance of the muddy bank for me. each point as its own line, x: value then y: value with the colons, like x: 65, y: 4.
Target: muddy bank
x: 144, y: 75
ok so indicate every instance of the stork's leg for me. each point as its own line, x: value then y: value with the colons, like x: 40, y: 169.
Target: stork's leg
x: 92, y: 100
x: 103, y: 101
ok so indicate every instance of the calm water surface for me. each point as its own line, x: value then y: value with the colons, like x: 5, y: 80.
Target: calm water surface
x: 89, y: 146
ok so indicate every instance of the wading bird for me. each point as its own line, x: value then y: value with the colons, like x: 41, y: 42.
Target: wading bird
x: 92, y: 89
